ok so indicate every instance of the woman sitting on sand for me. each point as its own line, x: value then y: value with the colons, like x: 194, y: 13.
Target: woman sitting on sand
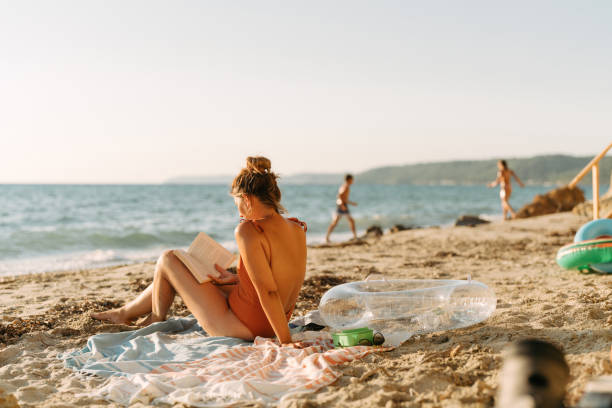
x: 505, y: 188
x: 259, y: 300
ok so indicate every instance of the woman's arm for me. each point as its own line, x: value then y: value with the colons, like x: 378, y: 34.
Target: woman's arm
x: 254, y: 259
x: 498, y: 180
x: 518, y: 180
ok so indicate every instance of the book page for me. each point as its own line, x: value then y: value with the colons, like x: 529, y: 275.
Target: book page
x: 201, y: 272
x: 202, y: 255
x: 207, y: 250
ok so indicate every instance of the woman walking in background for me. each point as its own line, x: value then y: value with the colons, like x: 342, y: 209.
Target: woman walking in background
x: 505, y: 187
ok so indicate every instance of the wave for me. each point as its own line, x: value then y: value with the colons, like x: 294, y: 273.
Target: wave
x: 55, y: 227
x: 47, y: 240
x: 133, y: 240
x: 75, y: 260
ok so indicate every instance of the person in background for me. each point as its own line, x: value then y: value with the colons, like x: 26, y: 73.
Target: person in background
x: 505, y: 188
x: 342, y: 203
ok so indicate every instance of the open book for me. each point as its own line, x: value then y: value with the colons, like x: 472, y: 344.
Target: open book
x: 202, y: 255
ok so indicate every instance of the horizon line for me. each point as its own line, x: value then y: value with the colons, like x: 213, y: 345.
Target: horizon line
x: 166, y: 180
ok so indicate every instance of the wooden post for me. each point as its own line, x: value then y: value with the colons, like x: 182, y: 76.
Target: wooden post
x: 609, y: 193
x: 584, y: 171
x: 596, y: 191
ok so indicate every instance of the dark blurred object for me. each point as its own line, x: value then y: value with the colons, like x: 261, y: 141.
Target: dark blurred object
x: 378, y: 339
x: 469, y: 221
x: 373, y: 231
x: 313, y: 327
x: 534, y: 374
x: 597, y: 393
x: 401, y: 227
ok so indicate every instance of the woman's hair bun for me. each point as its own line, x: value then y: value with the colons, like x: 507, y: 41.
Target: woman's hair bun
x: 258, y: 164
x: 257, y: 179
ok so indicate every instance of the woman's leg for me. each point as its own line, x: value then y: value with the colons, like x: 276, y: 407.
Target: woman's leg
x: 207, y: 302
x: 136, y: 308
x: 503, y: 206
x: 140, y: 306
x: 507, y: 202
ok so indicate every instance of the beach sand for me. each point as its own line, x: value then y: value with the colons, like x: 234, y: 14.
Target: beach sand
x: 45, y: 314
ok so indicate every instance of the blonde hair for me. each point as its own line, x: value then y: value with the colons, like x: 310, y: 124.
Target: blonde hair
x: 258, y: 180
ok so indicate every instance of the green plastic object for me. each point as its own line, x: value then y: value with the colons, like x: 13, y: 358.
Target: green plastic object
x: 362, y: 336
x: 585, y: 254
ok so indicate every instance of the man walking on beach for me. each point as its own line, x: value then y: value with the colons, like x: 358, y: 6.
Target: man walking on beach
x: 342, y: 203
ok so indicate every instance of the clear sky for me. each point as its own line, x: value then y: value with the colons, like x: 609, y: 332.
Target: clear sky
x: 143, y: 90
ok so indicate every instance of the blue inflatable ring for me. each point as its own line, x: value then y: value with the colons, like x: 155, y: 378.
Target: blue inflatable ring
x: 594, y: 230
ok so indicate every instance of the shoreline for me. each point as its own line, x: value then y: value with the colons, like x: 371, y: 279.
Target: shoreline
x: 536, y: 298
x: 88, y: 228
x: 339, y: 238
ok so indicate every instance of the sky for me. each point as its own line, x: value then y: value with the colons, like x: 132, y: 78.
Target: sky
x: 140, y: 91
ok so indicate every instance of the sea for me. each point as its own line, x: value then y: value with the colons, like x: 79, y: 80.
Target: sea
x: 45, y: 228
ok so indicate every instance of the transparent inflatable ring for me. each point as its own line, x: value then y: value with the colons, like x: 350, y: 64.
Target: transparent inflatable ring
x: 401, y: 308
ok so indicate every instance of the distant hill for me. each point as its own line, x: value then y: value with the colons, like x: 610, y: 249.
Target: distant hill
x: 549, y: 169
x: 301, y: 178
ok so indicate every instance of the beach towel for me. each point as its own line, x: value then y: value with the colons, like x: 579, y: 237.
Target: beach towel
x: 176, y: 362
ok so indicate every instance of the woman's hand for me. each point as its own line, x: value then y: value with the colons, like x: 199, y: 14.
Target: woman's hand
x: 295, y: 345
x: 225, y: 277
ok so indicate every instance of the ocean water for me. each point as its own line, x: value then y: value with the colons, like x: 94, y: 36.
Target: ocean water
x: 58, y: 227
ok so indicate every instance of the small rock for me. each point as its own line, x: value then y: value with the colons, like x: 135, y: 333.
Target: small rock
x: 470, y: 221
x: 373, y: 232
x: 401, y: 227
x: 586, y: 208
x: 439, y: 339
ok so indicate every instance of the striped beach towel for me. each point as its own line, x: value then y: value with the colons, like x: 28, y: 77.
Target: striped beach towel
x: 228, y: 372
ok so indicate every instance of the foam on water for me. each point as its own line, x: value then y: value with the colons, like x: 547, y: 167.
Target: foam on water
x: 74, y: 261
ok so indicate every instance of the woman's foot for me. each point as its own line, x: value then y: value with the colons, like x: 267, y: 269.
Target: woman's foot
x: 145, y: 321
x: 116, y: 316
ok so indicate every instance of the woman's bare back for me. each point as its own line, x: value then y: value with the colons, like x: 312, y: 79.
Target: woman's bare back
x: 285, y: 248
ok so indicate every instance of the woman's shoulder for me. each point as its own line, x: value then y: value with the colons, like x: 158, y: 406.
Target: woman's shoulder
x: 249, y: 229
x: 246, y: 229
x: 297, y: 223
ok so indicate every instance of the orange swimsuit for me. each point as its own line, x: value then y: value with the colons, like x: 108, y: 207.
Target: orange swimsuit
x: 244, y: 302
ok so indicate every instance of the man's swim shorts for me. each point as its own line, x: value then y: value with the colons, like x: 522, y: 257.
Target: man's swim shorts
x: 341, y: 211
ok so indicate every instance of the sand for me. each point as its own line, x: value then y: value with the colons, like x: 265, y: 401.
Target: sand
x: 42, y: 315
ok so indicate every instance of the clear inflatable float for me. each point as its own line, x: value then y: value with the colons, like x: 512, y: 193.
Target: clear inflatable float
x: 400, y: 309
